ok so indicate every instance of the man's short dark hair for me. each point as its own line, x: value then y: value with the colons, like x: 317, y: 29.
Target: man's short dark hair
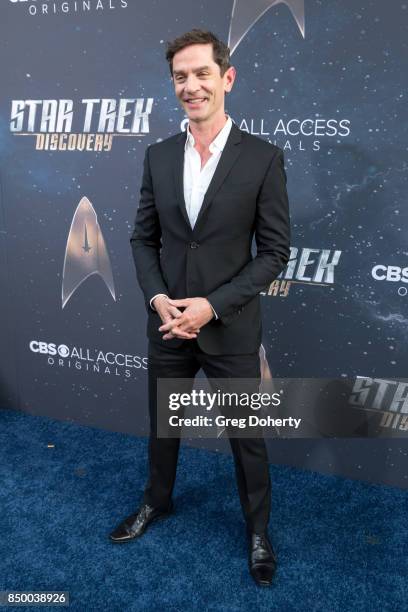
x: 221, y: 52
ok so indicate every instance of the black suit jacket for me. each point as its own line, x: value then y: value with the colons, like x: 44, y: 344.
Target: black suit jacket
x: 247, y: 196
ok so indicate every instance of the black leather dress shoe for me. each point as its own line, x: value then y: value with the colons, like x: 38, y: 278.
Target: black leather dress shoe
x: 136, y: 524
x: 262, y: 560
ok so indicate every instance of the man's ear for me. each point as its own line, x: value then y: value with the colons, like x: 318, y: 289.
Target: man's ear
x: 230, y: 74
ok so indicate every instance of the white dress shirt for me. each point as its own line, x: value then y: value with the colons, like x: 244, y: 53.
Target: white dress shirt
x: 196, y: 179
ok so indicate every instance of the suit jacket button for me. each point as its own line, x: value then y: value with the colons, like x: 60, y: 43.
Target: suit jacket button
x: 194, y: 245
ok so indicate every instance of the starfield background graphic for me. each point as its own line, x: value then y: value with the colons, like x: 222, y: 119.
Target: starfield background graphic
x: 332, y: 96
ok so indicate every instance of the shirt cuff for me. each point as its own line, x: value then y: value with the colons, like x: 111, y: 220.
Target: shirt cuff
x: 154, y: 297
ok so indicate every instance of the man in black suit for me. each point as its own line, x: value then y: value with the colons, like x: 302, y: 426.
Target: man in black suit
x: 205, y: 193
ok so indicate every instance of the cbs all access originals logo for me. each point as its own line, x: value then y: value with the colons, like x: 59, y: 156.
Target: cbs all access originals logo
x: 64, y: 7
x: 97, y: 122
x: 88, y: 360
x: 302, y: 134
x: 392, y: 274
x: 306, y: 266
x: 389, y: 398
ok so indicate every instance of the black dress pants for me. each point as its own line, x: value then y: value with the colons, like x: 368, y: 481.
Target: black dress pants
x: 250, y: 454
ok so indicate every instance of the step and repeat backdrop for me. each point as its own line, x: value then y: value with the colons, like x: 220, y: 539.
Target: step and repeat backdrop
x: 85, y: 88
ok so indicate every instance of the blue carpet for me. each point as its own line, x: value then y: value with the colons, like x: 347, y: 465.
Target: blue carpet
x: 341, y: 544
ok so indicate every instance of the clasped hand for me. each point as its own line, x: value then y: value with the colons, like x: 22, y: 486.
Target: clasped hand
x: 187, y: 324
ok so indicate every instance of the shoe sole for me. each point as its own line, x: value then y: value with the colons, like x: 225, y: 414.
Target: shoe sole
x: 135, y: 537
x: 261, y: 583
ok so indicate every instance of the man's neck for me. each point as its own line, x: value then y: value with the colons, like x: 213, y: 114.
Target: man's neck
x: 205, y: 133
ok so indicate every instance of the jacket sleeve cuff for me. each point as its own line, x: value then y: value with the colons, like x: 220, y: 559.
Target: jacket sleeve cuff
x: 212, y: 308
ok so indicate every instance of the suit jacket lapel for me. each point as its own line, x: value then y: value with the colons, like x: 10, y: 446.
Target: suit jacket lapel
x: 228, y: 157
x: 178, y: 168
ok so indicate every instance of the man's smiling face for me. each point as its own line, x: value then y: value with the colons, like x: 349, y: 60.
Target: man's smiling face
x: 198, y: 83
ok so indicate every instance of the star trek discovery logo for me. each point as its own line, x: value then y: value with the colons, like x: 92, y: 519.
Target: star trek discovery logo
x: 85, y: 253
x: 245, y: 14
x: 54, y: 7
x: 306, y: 266
x: 388, y: 398
x: 97, y: 122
